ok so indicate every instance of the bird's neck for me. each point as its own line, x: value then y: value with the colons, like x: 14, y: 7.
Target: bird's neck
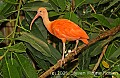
x: 47, y: 24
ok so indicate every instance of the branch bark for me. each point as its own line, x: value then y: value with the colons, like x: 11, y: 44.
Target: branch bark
x: 100, y: 58
x: 105, y: 34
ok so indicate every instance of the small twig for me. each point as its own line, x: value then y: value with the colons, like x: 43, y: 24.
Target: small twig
x: 74, y: 60
x: 93, y: 8
x: 110, y: 32
x: 72, y: 5
x: 1, y: 57
x: 100, y: 58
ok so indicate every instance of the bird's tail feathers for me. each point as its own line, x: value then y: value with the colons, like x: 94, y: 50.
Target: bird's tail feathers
x: 85, y: 41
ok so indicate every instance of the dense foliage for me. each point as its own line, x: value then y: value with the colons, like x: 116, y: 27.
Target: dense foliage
x: 28, y: 53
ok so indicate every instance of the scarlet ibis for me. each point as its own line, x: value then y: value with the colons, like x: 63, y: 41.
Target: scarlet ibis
x: 63, y: 29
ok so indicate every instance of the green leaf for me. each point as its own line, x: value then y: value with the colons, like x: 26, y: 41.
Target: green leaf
x: 38, y: 28
x: 78, y: 3
x: 71, y: 16
x: 33, y: 6
x: 34, y: 52
x: 111, y: 48
x: 111, y: 4
x: 39, y: 58
x: 62, y: 4
x: 19, y: 47
x: 55, y: 55
x: 115, y: 22
x: 84, y: 60
x: 26, y: 66
x: 91, y: 1
x: 6, y: 9
x: 43, y: 64
x: 93, y: 35
x: 55, y: 1
x: 36, y: 43
x: 96, y: 49
x: 9, y: 69
x: 103, y: 1
x: 53, y: 13
x: 116, y: 68
x: 103, y: 21
x: 11, y: 1
x: 54, y: 52
x: 54, y: 5
x: 115, y: 54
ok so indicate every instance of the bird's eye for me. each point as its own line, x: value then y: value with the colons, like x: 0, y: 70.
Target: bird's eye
x: 40, y: 11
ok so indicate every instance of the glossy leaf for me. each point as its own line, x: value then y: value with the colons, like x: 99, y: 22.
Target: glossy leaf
x: 8, y: 68
x: 6, y: 10
x: 55, y: 55
x: 103, y: 1
x: 78, y: 3
x: 71, y: 16
x: 55, y: 1
x: 58, y: 3
x: 116, y: 68
x: 26, y: 66
x: 38, y: 28
x: 53, y: 4
x: 62, y: 4
x: 84, y: 60
x: 112, y: 50
x: 20, y: 47
x: 91, y: 1
x: 115, y: 54
x: 115, y: 22
x: 43, y: 61
x: 33, y: 6
x: 111, y: 4
x: 53, y: 13
x: 11, y: 1
x: 34, y: 52
x: 96, y: 49
x: 36, y: 43
x: 54, y: 52
x: 103, y: 21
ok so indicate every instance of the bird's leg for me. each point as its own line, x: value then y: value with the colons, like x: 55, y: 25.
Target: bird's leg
x: 74, y: 50
x: 63, y: 52
x: 62, y: 60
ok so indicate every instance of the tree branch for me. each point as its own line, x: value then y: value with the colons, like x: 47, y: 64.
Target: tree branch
x: 100, y: 58
x: 105, y: 34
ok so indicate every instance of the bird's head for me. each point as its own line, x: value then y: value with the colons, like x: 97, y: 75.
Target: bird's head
x: 41, y: 12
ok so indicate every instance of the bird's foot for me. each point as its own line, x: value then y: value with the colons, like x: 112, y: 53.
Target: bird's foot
x: 74, y: 50
x: 60, y: 61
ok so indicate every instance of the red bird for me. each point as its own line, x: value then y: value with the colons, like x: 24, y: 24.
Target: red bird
x: 63, y: 29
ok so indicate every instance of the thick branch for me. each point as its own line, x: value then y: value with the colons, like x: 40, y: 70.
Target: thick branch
x: 105, y: 34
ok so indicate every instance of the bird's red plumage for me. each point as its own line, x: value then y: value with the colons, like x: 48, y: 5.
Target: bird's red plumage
x: 65, y: 29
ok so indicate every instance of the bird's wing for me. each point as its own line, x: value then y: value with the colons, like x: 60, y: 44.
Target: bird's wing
x: 76, y: 31
x: 66, y: 28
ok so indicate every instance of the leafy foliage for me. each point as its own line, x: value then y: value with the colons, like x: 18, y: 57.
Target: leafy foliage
x: 30, y: 53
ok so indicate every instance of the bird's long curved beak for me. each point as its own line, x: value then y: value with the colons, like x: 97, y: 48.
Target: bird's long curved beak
x: 36, y: 16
